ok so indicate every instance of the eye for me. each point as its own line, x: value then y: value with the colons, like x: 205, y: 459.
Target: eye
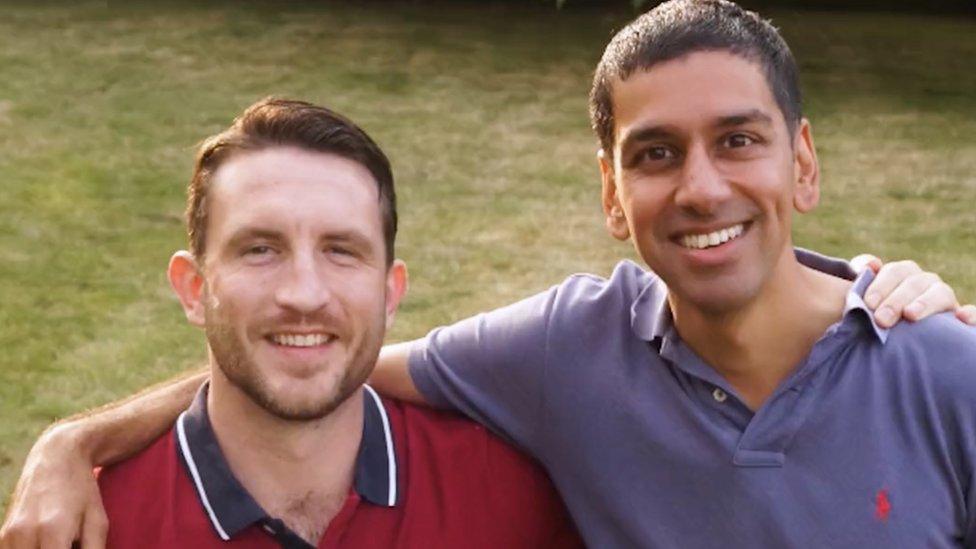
x: 339, y: 250
x: 341, y: 254
x: 738, y: 140
x: 657, y: 153
x: 258, y: 250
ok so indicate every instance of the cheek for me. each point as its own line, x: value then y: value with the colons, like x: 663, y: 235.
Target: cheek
x: 363, y: 297
x: 234, y: 296
x: 644, y: 204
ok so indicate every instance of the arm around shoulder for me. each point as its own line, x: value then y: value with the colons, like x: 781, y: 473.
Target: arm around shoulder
x: 57, y: 499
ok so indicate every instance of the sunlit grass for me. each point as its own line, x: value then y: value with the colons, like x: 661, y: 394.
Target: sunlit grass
x: 483, y: 111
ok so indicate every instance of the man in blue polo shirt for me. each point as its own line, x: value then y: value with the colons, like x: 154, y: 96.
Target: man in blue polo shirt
x: 745, y: 397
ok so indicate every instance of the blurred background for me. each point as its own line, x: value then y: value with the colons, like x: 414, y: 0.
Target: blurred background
x: 482, y: 109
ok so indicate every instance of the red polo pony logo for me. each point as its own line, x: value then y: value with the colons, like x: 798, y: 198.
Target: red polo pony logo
x: 882, y: 506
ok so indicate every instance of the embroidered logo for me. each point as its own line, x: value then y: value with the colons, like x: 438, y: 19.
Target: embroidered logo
x: 882, y: 506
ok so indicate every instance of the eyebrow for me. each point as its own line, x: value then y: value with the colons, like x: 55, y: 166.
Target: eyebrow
x: 251, y: 233
x: 647, y: 133
x: 246, y: 234
x: 355, y: 238
x: 752, y: 116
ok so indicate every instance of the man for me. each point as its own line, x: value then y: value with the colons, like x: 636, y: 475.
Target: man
x: 292, y: 219
x: 740, y: 398
x: 620, y: 387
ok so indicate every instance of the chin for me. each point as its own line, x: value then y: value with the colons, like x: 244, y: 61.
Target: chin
x: 716, y: 299
x: 307, y: 399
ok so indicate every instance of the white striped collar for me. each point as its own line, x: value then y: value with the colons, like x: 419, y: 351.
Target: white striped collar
x: 231, y: 508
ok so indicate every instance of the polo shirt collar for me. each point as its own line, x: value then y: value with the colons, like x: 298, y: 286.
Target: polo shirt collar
x: 650, y: 314
x: 231, y: 508
x: 855, y: 302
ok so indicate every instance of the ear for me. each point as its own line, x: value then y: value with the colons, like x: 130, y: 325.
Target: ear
x: 806, y: 194
x: 616, y: 220
x: 397, y: 281
x: 187, y: 282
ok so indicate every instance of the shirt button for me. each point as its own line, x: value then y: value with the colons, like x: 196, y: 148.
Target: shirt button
x: 719, y: 395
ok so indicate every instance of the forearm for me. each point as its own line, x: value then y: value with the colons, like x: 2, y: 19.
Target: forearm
x: 391, y: 377
x: 118, y: 430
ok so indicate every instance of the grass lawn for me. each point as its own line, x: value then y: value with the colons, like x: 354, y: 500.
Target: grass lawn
x: 483, y: 112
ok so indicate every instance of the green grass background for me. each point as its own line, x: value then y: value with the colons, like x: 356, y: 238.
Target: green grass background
x: 483, y: 112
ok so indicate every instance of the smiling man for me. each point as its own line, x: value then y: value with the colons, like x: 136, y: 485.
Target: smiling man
x: 291, y: 220
x: 706, y: 183
x: 744, y: 396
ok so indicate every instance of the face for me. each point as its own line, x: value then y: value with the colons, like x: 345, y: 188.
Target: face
x: 294, y: 292
x: 705, y: 175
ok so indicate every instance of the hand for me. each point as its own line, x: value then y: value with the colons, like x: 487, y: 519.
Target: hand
x: 56, y: 501
x: 903, y: 290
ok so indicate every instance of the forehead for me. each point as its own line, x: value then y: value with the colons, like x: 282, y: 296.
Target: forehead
x: 693, y: 89
x: 292, y: 189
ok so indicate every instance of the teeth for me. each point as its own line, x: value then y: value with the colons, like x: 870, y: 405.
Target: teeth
x: 701, y: 241
x: 298, y: 340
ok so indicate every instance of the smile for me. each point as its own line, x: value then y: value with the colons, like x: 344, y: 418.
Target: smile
x: 302, y: 340
x: 714, y: 238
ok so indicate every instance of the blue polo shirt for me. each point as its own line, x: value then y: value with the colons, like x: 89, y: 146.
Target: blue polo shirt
x: 870, y: 442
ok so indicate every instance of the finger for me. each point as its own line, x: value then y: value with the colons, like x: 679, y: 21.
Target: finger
x: 967, y: 314
x: 94, y: 527
x: 57, y: 531
x: 15, y: 536
x: 891, y: 308
x: 889, y: 278
x: 866, y: 261
x: 936, y: 299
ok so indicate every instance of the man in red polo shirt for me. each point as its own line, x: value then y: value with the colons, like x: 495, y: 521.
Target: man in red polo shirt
x: 292, y: 219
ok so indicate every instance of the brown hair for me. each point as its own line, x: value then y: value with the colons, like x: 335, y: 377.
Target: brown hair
x: 283, y: 122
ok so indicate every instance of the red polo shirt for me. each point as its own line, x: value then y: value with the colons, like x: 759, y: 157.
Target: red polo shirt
x: 423, y: 479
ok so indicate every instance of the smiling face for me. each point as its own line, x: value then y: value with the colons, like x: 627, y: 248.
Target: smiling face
x: 705, y: 176
x: 295, y: 292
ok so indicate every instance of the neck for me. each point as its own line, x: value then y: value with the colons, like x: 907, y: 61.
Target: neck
x: 298, y: 471
x: 756, y: 346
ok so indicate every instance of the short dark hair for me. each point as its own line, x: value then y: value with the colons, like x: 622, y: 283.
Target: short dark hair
x: 284, y: 122
x: 679, y: 27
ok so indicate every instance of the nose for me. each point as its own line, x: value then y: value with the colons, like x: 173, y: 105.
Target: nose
x: 304, y: 287
x: 702, y: 188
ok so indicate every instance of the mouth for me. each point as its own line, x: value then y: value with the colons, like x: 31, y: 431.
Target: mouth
x: 305, y: 340
x: 712, y: 239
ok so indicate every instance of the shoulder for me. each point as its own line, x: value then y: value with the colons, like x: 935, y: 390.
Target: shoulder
x: 135, y: 485
x: 624, y: 285
x: 464, y: 465
x: 146, y: 465
x: 466, y: 457
x: 627, y: 278
x: 447, y: 436
x: 942, y: 349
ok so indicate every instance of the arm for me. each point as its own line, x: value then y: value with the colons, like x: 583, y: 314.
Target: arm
x: 901, y: 289
x: 392, y: 376
x: 57, y: 499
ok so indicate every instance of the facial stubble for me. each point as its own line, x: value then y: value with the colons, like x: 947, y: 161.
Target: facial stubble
x: 228, y: 350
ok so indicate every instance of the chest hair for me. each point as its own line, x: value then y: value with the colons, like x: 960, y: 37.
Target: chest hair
x: 310, y: 514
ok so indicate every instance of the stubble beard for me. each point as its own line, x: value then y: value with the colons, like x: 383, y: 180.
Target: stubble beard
x: 240, y: 369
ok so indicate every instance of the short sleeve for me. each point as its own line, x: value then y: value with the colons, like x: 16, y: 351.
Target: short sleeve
x: 490, y: 367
